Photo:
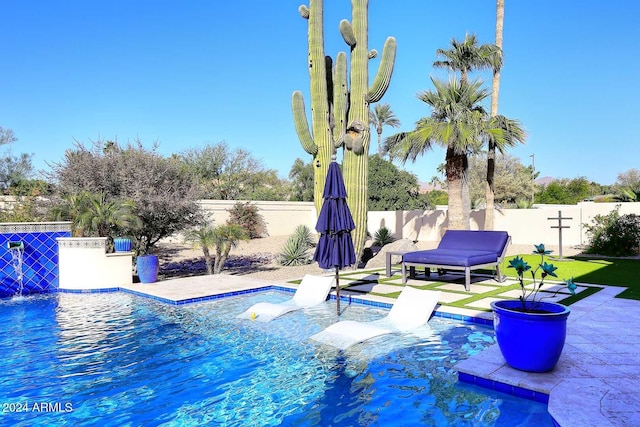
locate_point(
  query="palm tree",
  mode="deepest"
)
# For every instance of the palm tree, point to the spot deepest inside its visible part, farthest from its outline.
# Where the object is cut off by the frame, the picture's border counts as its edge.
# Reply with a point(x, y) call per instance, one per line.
point(458, 122)
point(92, 215)
point(104, 217)
point(491, 153)
point(382, 116)
point(226, 237)
point(204, 238)
point(467, 55)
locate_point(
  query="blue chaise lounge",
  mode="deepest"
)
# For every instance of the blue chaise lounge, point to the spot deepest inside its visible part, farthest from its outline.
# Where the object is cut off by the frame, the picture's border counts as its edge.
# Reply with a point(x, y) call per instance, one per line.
point(464, 250)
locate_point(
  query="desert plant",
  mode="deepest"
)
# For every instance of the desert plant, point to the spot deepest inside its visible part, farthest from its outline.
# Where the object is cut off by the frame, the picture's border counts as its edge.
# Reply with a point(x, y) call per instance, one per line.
point(614, 234)
point(296, 249)
point(246, 215)
point(92, 215)
point(383, 236)
point(226, 237)
point(528, 297)
point(203, 238)
point(165, 193)
point(340, 108)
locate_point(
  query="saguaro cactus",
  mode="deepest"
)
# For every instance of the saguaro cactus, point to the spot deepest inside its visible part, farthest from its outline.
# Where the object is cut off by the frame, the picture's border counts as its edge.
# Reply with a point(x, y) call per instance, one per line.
point(340, 109)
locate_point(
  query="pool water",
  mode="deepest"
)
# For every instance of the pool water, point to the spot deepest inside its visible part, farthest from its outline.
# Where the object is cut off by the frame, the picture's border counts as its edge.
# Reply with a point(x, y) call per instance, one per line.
point(118, 359)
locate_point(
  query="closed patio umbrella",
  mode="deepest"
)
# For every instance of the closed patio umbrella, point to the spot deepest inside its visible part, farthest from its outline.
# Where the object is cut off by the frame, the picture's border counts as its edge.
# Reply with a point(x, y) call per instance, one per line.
point(335, 247)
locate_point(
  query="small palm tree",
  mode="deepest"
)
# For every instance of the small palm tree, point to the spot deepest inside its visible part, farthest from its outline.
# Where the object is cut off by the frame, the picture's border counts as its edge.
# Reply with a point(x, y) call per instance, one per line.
point(382, 116)
point(226, 237)
point(204, 238)
point(103, 217)
point(92, 215)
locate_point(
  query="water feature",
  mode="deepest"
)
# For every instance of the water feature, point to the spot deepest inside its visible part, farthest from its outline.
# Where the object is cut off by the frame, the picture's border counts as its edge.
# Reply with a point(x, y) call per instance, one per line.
point(16, 249)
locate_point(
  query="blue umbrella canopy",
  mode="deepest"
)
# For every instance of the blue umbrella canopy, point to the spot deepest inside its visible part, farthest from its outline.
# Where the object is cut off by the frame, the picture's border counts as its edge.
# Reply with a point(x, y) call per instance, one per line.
point(335, 247)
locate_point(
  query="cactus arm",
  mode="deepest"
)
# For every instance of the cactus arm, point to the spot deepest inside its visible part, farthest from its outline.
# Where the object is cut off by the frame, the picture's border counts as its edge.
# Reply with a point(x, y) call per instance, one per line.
point(383, 77)
point(347, 33)
point(304, 11)
point(340, 98)
point(373, 53)
point(302, 127)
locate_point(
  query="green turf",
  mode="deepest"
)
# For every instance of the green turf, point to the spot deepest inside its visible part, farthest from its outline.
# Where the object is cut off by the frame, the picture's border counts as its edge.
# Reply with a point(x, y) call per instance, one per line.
point(609, 271)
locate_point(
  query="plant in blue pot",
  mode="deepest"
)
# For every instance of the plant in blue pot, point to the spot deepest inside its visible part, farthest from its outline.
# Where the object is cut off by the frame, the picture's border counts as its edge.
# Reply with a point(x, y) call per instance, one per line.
point(531, 332)
point(122, 244)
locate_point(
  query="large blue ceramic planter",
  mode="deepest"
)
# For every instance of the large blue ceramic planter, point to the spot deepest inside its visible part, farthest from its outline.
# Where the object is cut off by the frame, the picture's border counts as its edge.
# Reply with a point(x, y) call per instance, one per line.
point(530, 342)
point(147, 267)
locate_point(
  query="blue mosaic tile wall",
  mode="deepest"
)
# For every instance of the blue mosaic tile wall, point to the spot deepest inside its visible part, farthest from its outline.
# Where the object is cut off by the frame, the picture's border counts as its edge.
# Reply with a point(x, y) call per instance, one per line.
point(40, 257)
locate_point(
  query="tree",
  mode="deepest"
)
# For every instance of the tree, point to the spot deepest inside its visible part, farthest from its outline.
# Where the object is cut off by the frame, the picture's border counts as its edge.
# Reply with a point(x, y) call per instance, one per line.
point(203, 237)
point(164, 193)
point(382, 116)
point(467, 55)
point(627, 186)
point(301, 176)
point(226, 237)
point(567, 191)
point(14, 170)
point(227, 174)
point(7, 136)
point(104, 218)
point(392, 189)
point(464, 57)
point(513, 181)
point(491, 149)
point(456, 122)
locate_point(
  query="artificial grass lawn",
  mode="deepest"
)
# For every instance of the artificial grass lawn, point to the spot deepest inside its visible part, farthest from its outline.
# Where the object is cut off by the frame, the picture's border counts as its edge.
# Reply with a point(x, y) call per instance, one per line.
point(609, 271)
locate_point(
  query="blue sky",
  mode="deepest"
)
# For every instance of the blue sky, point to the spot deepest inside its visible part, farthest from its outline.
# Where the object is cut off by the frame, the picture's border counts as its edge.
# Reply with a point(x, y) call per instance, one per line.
point(186, 74)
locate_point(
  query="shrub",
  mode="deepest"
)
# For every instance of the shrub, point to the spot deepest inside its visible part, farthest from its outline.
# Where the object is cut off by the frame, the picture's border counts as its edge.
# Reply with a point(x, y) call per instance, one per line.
point(614, 235)
point(383, 236)
point(164, 193)
point(247, 216)
point(296, 250)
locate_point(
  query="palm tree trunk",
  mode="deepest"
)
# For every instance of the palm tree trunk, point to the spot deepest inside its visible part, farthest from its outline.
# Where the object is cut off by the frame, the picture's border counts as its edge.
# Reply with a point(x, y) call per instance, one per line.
point(207, 260)
point(455, 167)
point(491, 154)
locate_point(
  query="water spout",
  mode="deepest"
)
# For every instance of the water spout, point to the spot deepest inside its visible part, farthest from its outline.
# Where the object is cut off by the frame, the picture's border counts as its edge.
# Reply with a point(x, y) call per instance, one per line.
point(16, 249)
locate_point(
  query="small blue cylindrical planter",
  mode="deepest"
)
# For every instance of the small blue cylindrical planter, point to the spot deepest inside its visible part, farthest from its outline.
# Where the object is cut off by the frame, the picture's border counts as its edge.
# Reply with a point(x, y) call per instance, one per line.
point(528, 341)
point(147, 267)
point(121, 244)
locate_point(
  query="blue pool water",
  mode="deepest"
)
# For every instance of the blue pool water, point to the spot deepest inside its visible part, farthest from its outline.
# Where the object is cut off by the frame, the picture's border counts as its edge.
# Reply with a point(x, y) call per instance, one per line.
point(116, 359)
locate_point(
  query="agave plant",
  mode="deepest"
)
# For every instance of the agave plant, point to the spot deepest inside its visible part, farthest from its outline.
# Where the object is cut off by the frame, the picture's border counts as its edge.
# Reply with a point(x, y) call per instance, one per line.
point(521, 266)
point(296, 250)
point(383, 237)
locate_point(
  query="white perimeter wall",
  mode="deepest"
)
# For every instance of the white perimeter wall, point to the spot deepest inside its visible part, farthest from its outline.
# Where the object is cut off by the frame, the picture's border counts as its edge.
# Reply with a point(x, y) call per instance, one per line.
point(526, 226)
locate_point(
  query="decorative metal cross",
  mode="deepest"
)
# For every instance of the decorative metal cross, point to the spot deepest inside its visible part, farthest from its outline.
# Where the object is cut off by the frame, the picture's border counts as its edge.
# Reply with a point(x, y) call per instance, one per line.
point(559, 218)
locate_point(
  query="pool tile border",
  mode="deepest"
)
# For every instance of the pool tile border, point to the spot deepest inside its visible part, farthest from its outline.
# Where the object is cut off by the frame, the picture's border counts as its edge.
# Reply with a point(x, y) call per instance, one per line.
point(504, 388)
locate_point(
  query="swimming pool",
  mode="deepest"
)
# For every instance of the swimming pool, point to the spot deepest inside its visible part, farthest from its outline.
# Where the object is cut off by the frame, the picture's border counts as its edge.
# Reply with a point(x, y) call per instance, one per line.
point(118, 359)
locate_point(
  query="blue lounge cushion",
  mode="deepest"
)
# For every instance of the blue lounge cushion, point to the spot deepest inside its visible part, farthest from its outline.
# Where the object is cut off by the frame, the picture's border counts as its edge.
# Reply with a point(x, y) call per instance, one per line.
point(457, 257)
point(492, 241)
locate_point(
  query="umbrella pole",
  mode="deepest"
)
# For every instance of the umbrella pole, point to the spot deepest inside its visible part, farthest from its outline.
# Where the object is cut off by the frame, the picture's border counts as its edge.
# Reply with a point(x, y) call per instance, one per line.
point(338, 290)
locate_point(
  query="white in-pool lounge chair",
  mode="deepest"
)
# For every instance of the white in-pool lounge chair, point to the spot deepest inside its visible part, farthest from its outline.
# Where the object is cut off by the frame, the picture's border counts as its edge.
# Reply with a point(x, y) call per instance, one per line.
point(411, 310)
point(313, 290)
